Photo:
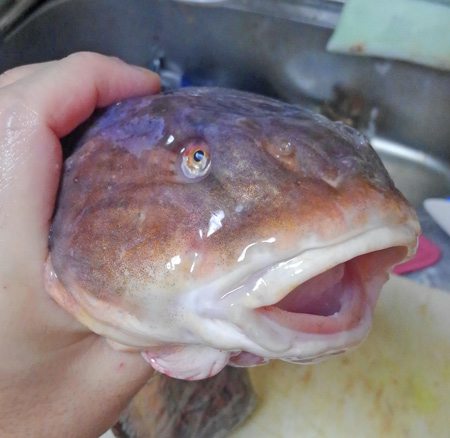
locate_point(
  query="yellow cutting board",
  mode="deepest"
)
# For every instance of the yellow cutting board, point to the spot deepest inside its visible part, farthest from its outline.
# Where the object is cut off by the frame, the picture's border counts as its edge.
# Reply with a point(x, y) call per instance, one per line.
point(396, 384)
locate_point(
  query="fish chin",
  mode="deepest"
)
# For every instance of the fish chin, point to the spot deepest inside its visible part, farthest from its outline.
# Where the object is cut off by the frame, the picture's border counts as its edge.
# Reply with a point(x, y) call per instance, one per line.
point(187, 362)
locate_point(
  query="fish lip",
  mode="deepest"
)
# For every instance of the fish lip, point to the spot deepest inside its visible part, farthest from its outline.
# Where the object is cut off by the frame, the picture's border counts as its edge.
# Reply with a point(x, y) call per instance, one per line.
point(310, 262)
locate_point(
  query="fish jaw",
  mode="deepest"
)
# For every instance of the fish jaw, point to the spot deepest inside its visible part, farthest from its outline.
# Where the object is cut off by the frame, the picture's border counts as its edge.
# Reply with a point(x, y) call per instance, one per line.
point(301, 309)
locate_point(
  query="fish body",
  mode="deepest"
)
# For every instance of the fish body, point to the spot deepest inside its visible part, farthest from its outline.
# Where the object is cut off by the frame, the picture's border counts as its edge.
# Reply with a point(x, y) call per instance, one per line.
point(211, 408)
point(208, 227)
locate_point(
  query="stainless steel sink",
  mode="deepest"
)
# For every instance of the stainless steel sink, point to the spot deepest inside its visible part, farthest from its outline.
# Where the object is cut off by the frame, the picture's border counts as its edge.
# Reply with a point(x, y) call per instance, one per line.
point(416, 174)
point(274, 47)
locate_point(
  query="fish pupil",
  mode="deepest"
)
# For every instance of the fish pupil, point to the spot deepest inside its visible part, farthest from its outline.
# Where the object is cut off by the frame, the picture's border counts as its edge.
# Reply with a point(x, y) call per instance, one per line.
point(198, 156)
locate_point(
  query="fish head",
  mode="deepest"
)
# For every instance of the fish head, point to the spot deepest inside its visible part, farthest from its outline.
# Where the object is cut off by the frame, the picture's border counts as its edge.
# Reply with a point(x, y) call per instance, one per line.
point(208, 227)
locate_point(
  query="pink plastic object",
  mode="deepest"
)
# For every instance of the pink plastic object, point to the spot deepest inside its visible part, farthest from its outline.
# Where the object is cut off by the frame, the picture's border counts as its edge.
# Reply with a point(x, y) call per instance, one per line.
point(427, 254)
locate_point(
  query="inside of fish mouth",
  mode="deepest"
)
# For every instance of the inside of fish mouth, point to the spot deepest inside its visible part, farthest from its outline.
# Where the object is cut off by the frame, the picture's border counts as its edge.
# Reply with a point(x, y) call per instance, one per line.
point(328, 293)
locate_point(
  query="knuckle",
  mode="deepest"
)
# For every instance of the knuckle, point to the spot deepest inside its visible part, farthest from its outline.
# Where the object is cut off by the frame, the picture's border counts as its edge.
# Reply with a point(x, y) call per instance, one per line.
point(82, 58)
point(15, 112)
point(9, 76)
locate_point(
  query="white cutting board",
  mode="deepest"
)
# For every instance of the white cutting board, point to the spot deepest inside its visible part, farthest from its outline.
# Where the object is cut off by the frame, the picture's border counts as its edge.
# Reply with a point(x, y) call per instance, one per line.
point(397, 384)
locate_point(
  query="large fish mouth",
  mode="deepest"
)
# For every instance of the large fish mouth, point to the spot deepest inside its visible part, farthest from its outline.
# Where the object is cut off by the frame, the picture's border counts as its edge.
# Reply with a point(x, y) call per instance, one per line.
point(337, 299)
point(315, 304)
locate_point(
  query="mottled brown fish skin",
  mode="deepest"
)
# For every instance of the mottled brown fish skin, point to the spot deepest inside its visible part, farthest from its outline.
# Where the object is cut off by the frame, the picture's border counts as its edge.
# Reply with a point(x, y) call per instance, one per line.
point(171, 408)
point(276, 171)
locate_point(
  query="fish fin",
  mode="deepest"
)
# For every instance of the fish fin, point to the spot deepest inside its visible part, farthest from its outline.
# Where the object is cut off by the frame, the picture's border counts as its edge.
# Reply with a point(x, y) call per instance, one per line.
point(171, 408)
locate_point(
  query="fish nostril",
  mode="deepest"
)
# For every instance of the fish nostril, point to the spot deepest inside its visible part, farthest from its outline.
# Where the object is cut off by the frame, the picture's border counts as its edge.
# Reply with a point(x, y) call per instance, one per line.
point(284, 152)
point(286, 149)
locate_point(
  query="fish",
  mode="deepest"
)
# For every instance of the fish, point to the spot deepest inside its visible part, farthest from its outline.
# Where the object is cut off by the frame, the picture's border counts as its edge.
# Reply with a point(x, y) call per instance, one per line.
point(210, 408)
point(207, 227)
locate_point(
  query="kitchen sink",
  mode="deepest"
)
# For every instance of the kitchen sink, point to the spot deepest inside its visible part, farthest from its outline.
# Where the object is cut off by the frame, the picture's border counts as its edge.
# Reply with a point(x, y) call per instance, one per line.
point(417, 174)
point(273, 47)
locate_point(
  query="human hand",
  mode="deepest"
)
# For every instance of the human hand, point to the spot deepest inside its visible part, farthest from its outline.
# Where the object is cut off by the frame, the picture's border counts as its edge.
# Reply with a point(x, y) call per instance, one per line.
point(57, 379)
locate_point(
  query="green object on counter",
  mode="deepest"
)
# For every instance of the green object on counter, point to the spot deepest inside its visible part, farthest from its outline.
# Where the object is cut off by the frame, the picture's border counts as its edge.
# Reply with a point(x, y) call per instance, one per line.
point(409, 30)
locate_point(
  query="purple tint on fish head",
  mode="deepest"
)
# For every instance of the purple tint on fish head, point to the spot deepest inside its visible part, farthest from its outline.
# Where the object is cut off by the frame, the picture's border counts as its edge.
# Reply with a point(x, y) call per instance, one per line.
point(128, 125)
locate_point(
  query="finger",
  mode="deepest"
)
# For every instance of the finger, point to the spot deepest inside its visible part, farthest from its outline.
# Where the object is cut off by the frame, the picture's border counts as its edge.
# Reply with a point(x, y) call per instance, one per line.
point(79, 391)
point(17, 73)
point(66, 94)
point(116, 378)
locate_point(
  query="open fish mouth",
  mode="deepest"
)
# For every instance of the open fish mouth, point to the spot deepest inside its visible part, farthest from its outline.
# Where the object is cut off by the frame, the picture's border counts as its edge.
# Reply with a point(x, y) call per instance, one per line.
point(336, 299)
point(330, 302)
point(317, 304)
point(337, 305)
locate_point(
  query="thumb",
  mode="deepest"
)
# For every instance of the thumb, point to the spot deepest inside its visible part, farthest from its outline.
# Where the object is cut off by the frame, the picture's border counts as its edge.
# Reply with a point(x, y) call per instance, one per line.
point(76, 392)
point(101, 395)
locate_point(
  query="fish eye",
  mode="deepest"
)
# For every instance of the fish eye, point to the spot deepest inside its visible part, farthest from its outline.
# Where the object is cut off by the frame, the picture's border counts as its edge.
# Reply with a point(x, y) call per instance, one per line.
point(199, 155)
point(195, 159)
